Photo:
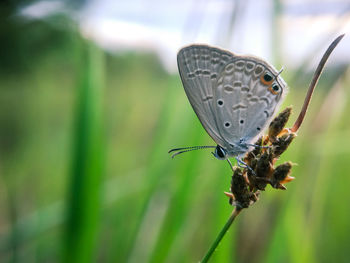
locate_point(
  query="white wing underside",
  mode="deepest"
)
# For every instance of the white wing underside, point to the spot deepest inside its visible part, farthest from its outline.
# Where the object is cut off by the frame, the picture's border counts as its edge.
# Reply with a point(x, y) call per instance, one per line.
point(226, 93)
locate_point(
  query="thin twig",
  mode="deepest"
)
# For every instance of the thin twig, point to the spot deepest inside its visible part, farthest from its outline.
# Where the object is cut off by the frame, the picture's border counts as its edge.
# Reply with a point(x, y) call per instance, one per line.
point(222, 233)
point(314, 81)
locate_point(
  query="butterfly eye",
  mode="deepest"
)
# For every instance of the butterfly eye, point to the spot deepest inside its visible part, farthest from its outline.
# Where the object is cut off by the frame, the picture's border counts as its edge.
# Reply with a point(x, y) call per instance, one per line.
point(274, 89)
point(220, 153)
point(266, 79)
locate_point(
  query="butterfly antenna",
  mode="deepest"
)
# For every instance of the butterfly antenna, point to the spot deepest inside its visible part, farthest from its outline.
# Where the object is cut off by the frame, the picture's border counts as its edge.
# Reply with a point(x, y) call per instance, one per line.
point(229, 162)
point(188, 149)
point(191, 147)
point(279, 72)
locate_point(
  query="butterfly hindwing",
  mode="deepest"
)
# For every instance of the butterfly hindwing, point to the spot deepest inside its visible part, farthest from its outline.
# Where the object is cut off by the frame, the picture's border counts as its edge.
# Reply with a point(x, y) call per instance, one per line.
point(245, 104)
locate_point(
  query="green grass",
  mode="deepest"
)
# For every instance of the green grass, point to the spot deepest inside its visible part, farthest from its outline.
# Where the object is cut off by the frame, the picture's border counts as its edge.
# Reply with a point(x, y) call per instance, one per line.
point(88, 164)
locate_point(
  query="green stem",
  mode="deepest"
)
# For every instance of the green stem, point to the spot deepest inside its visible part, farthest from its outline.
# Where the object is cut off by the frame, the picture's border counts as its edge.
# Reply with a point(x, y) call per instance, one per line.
point(222, 233)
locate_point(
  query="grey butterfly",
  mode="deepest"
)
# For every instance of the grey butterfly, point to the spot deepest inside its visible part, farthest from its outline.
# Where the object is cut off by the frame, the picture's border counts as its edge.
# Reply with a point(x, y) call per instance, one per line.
point(234, 97)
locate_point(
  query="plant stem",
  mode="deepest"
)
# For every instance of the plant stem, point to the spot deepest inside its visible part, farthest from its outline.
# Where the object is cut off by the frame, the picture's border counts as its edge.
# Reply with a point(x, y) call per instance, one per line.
point(222, 233)
point(314, 81)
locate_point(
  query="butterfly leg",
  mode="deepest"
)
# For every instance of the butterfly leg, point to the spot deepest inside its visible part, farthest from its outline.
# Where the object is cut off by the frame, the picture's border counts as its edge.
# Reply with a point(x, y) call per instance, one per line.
point(242, 164)
point(229, 162)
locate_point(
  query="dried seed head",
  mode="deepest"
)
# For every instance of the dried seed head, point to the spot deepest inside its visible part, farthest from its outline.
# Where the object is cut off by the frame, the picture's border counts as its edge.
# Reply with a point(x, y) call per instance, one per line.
point(238, 184)
point(263, 170)
point(278, 123)
point(239, 188)
point(281, 175)
point(282, 143)
point(264, 165)
point(246, 184)
point(251, 157)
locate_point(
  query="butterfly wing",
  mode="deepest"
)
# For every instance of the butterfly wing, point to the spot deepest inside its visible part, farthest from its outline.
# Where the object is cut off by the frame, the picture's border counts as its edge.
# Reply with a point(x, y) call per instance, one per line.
point(199, 68)
point(245, 101)
point(228, 92)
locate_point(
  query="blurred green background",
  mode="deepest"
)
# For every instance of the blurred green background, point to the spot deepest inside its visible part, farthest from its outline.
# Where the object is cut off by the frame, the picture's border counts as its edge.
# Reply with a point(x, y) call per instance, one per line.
point(84, 170)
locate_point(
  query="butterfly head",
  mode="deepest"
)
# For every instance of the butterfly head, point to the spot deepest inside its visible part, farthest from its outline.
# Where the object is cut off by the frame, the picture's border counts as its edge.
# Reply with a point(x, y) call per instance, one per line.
point(220, 153)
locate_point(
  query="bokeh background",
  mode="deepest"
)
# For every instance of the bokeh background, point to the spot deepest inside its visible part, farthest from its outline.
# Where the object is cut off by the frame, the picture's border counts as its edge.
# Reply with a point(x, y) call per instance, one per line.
point(91, 101)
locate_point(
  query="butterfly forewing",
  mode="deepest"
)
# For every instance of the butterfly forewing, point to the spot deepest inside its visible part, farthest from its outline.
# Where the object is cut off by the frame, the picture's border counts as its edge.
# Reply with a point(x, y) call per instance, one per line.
point(199, 68)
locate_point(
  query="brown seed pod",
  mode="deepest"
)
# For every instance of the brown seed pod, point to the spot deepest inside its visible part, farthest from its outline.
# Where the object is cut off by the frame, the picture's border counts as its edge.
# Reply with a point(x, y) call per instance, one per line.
point(282, 143)
point(278, 123)
point(264, 169)
point(281, 175)
point(239, 188)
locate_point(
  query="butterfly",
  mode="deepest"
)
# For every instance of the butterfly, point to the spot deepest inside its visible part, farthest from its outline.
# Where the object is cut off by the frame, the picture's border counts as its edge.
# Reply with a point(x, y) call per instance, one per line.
point(234, 97)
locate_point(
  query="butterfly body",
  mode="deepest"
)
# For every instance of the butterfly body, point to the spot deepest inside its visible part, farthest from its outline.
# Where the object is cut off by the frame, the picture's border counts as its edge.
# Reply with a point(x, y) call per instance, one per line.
point(233, 96)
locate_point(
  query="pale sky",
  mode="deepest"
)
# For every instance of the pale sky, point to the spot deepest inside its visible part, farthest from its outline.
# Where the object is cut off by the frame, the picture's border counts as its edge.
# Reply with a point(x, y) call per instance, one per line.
point(305, 26)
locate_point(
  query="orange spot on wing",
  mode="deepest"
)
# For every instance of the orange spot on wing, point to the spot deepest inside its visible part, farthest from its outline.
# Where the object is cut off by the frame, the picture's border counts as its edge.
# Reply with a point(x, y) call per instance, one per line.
point(263, 81)
point(272, 91)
